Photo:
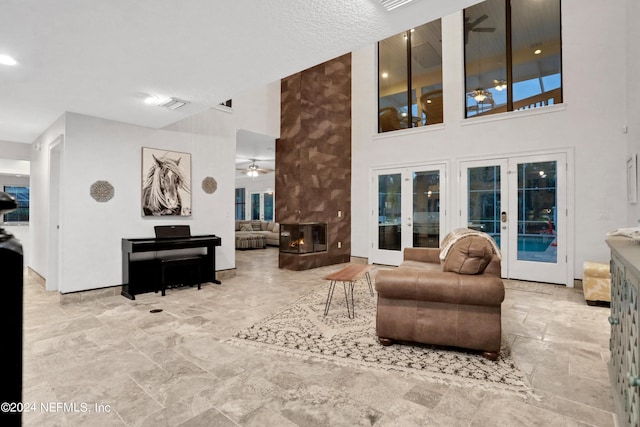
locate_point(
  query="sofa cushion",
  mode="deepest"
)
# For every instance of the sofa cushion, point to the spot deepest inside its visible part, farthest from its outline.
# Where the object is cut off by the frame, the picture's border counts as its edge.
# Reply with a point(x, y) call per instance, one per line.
point(246, 227)
point(276, 228)
point(255, 224)
point(421, 265)
point(469, 255)
point(264, 226)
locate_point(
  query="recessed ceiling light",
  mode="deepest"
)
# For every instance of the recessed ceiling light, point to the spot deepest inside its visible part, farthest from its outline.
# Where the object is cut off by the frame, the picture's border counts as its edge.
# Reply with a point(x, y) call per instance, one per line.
point(385, 75)
point(537, 51)
point(150, 99)
point(7, 60)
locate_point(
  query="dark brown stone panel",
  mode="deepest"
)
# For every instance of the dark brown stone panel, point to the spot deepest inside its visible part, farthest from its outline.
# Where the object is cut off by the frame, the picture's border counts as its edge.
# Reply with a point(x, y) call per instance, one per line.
point(313, 158)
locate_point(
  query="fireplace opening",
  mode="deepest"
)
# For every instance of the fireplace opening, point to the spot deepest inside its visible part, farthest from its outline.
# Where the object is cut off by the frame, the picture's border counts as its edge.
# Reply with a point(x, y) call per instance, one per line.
point(303, 238)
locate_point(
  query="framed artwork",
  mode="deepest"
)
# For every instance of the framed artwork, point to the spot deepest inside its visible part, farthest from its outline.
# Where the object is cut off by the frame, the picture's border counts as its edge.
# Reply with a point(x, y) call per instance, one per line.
point(166, 183)
point(632, 179)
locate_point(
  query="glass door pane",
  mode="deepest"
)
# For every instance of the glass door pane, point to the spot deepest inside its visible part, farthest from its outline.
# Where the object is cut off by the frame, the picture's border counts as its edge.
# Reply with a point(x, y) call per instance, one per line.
point(426, 209)
point(240, 204)
point(483, 200)
point(537, 210)
point(255, 206)
point(268, 206)
point(389, 212)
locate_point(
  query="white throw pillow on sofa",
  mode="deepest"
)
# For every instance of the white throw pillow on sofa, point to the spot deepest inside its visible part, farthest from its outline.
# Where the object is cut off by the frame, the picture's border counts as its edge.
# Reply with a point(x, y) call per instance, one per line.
point(246, 227)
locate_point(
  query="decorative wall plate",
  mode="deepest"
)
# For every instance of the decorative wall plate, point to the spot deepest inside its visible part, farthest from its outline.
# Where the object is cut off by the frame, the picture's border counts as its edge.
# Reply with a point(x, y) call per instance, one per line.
point(209, 185)
point(101, 191)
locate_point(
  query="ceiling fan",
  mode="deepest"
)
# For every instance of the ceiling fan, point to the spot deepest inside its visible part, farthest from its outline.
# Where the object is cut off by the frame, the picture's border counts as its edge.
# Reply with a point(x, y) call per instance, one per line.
point(473, 26)
point(253, 170)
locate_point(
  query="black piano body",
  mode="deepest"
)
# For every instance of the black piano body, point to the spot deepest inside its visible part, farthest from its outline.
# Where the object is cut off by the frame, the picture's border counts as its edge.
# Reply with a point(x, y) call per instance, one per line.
point(154, 264)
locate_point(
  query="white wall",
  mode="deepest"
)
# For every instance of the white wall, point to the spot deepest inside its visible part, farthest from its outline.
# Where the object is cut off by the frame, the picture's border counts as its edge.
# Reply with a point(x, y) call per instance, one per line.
point(99, 149)
point(589, 124)
point(15, 150)
point(633, 86)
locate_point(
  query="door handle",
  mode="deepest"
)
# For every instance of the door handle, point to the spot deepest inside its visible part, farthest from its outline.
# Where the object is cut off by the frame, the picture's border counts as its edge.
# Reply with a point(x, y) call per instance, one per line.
point(503, 217)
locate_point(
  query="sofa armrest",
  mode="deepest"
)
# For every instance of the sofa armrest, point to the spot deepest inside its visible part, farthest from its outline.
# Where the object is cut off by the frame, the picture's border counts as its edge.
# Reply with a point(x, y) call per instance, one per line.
point(438, 286)
point(430, 255)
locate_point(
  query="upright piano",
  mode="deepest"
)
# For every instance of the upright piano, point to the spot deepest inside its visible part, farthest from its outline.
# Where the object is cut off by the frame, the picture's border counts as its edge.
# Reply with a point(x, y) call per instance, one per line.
point(154, 264)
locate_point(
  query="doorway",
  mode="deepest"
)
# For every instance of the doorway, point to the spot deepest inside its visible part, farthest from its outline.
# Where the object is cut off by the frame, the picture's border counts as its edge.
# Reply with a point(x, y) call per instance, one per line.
point(522, 203)
point(54, 272)
point(409, 210)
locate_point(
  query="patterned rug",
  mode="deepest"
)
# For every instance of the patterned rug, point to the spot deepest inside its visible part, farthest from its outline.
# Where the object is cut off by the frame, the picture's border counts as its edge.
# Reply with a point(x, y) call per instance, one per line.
point(302, 330)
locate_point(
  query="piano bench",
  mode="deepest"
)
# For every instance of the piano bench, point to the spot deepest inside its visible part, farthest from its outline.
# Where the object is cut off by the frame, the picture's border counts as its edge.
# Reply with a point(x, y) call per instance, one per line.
point(180, 271)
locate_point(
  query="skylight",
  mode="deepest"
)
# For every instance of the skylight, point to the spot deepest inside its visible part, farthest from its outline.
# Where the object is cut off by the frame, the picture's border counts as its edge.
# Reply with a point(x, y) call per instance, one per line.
point(392, 4)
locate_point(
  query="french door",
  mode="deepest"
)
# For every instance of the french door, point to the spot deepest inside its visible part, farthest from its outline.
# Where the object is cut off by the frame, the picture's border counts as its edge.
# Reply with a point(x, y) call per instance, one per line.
point(408, 211)
point(522, 203)
point(262, 206)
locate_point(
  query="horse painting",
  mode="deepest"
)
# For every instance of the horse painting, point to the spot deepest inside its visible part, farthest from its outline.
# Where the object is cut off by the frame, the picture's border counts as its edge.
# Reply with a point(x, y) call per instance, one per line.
point(162, 184)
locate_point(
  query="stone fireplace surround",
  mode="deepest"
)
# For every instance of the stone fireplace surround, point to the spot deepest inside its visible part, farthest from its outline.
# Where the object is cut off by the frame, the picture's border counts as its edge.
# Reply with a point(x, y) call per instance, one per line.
point(313, 159)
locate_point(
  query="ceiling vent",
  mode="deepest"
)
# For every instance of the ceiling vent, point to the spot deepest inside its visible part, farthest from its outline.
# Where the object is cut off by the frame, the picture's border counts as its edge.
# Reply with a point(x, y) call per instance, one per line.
point(392, 4)
point(173, 103)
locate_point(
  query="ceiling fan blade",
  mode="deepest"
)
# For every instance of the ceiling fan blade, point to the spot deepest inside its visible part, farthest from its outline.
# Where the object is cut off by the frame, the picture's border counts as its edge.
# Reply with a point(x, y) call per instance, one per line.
point(479, 20)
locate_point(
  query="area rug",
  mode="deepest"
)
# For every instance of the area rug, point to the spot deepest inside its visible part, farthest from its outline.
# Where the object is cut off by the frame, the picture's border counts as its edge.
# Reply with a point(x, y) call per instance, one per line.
point(302, 330)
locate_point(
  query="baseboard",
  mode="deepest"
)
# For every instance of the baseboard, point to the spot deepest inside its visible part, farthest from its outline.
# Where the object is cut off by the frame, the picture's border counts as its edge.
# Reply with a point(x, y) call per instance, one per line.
point(92, 294)
point(359, 260)
point(226, 274)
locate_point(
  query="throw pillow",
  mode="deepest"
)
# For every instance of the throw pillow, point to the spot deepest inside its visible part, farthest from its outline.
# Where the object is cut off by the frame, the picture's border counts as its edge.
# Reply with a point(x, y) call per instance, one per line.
point(246, 227)
point(255, 224)
point(276, 228)
point(264, 226)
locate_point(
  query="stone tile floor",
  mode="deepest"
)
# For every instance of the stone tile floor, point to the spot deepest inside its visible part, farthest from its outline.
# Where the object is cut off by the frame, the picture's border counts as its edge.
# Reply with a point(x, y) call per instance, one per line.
point(121, 365)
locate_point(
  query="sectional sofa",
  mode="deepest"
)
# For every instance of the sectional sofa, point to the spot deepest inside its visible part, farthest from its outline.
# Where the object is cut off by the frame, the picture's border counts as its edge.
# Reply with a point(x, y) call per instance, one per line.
point(246, 230)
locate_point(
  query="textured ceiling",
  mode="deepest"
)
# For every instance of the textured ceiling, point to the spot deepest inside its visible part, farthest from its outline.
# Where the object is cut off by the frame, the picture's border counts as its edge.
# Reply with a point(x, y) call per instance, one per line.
point(99, 57)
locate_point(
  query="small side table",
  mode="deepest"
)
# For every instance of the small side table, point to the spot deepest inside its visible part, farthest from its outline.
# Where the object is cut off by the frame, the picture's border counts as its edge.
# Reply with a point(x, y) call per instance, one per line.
point(348, 276)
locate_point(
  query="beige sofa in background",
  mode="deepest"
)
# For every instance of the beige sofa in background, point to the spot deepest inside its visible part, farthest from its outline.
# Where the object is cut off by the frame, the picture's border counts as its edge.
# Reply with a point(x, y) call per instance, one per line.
point(269, 229)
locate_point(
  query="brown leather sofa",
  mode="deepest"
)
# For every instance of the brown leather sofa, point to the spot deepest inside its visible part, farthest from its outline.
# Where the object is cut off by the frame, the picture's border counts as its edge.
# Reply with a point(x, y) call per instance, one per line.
point(452, 302)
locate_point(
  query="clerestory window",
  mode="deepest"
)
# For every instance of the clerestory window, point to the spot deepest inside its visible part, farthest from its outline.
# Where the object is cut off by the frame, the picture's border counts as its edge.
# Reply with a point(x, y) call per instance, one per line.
point(410, 78)
point(513, 56)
